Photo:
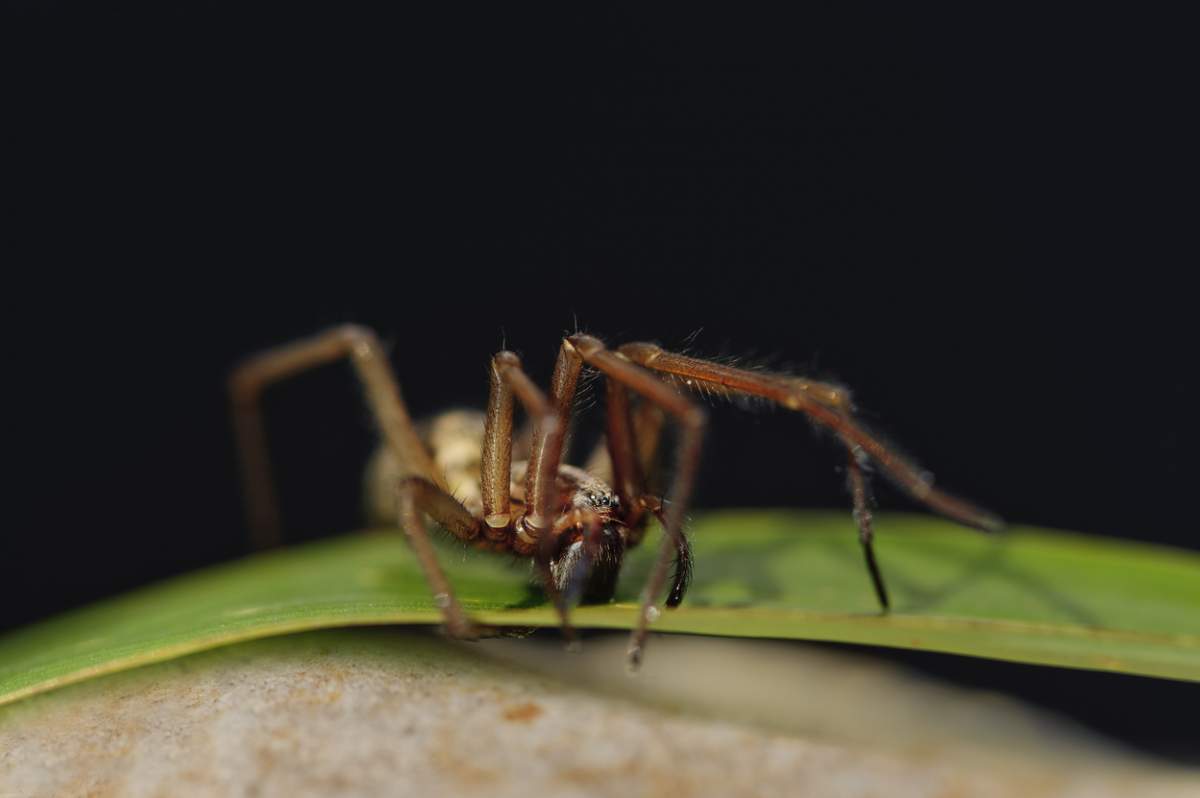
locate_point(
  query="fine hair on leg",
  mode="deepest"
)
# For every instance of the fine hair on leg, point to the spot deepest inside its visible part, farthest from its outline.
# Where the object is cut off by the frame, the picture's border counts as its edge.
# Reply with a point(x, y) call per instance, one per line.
point(416, 497)
point(692, 421)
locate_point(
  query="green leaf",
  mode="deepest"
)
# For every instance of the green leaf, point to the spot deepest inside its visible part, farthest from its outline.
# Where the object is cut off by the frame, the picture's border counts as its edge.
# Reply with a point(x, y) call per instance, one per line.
point(1028, 595)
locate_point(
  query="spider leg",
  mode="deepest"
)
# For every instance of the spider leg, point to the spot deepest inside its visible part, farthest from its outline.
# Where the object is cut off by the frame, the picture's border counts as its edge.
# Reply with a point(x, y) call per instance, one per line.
point(548, 441)
point(623, 444)
point(631, 442)
point(507, 380)
point(859, 491)
point(496, 467)
point(252, 377)
point(646, 420)
point(827, 405)
point(693, 421)
point(534, 534)
point(682, 578)
point(417, 496)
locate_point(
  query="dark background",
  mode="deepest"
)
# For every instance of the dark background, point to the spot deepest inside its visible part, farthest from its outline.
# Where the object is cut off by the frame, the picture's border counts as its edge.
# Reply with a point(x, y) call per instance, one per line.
point(976, 220)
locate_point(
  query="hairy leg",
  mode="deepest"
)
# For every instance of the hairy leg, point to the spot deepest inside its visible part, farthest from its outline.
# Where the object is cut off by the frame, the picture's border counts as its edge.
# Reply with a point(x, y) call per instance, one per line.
point(546, 454)
point(692, 421)
point(507, 380)
point(547, 443)
point(253, 376)
point(682, 578)
point(628, 477)
point(826, 404)
point(417, 497)
point(859, 493)
point(632, 437)
point(647, 420)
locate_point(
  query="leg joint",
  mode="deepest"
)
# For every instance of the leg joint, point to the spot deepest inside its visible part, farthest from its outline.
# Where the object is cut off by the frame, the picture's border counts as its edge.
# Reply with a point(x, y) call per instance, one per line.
point(641, 353)
point(360, 341)
point(695, 418)
point(409, 488)
point(505, 359)
point(586, 345)
point(802, 392)
point(244, 386)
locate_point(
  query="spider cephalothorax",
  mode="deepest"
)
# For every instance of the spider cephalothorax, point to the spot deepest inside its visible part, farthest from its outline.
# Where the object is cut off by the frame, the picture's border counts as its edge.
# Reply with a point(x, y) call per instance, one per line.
point(509, 492)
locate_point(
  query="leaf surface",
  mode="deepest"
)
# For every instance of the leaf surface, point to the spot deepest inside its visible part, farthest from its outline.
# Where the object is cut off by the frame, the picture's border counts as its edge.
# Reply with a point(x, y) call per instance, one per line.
point(1028, 595)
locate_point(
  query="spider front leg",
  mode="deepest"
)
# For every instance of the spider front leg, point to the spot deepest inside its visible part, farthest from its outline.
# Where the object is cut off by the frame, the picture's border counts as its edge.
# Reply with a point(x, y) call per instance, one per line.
point(508, 379)
point(857, 481)
point(631, 443)
point(647, 422)
point(829, 406)
point(693, 421)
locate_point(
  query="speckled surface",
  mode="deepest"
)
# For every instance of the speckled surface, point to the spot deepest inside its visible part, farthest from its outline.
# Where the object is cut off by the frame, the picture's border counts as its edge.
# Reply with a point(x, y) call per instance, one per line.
point(397, 713)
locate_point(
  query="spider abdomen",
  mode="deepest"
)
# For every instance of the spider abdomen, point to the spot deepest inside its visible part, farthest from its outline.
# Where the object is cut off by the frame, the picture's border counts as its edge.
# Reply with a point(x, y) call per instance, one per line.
point(455, 441)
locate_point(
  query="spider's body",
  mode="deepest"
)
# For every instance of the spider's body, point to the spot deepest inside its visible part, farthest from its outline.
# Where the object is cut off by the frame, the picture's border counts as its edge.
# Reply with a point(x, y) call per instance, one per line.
point(508, 492)
point(455, 442)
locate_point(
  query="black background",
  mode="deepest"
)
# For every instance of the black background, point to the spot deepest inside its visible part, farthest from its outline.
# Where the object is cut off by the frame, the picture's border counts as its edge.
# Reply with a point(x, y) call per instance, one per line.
point(981, 222)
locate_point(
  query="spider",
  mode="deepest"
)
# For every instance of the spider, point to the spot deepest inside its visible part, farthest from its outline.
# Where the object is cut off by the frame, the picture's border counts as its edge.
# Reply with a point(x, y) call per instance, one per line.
point(516, 495)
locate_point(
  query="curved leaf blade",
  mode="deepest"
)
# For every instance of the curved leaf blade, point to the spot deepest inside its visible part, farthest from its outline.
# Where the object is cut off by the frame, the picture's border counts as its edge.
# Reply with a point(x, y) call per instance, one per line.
point(1028, 595)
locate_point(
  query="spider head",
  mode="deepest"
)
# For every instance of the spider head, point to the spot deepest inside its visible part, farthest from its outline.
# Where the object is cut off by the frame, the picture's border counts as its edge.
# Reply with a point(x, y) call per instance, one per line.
point(588, 562)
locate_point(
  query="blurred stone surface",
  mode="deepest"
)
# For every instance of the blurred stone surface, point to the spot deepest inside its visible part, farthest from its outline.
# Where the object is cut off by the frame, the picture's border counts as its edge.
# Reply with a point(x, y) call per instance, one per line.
point(386, 712)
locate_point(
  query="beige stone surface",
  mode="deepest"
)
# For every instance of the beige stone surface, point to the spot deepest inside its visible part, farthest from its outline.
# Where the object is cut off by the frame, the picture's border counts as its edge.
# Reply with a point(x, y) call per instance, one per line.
point(397, 713)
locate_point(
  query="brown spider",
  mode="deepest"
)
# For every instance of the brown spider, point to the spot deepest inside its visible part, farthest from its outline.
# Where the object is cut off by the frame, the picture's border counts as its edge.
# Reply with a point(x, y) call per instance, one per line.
point(573, 525)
